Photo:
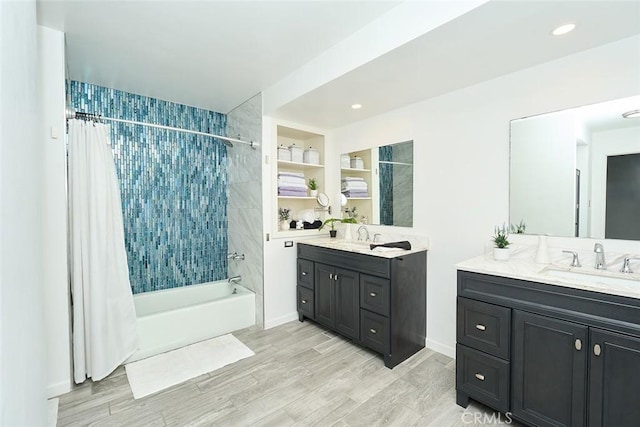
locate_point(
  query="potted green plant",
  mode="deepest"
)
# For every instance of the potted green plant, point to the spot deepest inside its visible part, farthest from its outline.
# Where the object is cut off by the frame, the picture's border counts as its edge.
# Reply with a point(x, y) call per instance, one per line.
point(332, 221)
point(313, 187)
point(285, 216)
point(519, 228)
point(501, 241)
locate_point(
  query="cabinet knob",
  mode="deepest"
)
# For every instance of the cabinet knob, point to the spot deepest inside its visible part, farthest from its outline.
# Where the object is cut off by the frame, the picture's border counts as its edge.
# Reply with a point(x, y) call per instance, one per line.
point(480, 377)
point(330, 276)
point(335, 277)
point(304, 301)
point(373, 331)
point(304, 273)
point(597, 350)
point(480, 327)
point(372, 294)
point(578, 344)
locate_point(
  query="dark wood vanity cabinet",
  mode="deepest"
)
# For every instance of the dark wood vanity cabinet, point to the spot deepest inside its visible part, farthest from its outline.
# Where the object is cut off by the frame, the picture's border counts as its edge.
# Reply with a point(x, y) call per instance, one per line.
point(378, 302)
point(549, 355)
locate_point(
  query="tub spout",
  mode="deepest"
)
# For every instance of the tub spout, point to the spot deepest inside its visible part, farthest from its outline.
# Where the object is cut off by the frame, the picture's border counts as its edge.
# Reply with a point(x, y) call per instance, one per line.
point(235, 279)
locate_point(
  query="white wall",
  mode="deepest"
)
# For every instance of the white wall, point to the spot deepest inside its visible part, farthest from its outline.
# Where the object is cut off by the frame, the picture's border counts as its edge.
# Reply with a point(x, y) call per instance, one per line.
point(22, 340)
point(542, 178)
point(53, 148)
point(461, 148)
point(603, 144)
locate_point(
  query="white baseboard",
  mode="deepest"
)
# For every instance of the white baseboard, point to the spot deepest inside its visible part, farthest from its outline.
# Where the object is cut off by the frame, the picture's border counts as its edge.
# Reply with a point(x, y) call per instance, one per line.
point(54, 390)
point(441, 348)
point(272, 323)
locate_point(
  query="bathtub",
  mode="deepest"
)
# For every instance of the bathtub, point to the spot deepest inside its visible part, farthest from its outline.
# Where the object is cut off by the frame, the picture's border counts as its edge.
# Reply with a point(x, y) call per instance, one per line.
point(173, 318)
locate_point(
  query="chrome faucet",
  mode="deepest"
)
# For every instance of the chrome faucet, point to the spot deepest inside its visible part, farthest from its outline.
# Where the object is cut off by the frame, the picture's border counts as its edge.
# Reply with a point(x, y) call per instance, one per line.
point(599, 250)
point(234, 279)
point(362, 227)
point(575, 262)
point(625, 264)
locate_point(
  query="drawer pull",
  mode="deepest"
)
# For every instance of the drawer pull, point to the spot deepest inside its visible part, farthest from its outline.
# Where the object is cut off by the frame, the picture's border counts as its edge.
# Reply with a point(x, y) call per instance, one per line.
point(372, 294)
point(373, 331)
point(578, 344)
point(597, 350)
point(480, 377)
point(304, 273)
point(481, 327)
point(304, 301)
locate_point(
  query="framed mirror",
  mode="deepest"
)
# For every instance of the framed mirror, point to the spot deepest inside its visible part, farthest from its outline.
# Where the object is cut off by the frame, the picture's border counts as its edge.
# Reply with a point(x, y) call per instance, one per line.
point(576, 173)
point(378, 184)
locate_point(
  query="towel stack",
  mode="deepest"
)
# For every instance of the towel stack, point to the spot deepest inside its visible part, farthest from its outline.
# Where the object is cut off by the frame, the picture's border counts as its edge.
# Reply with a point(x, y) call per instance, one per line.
point(292, 184)
point(353, 186)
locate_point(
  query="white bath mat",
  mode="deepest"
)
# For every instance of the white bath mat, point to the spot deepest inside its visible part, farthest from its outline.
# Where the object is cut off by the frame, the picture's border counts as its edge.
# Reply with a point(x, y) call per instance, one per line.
point(151, 375)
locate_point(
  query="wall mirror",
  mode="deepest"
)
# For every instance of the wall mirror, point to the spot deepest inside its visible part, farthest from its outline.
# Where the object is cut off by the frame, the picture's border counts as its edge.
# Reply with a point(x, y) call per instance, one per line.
point(576, 173)
point(378, 184)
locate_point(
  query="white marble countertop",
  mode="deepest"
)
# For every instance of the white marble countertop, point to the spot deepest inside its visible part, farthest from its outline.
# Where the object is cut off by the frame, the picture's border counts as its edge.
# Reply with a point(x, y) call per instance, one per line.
point(364, 248)
point(521, 265)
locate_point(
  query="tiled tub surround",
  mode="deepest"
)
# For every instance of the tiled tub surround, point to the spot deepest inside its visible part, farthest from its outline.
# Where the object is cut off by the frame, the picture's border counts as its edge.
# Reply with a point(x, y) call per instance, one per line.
point(245, 199)
point(521, 265)
point(173, 187)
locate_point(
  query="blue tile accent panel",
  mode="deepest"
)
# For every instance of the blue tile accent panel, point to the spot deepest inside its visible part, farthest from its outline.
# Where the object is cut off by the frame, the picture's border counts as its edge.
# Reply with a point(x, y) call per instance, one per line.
point(385, 153)
point(173, 187)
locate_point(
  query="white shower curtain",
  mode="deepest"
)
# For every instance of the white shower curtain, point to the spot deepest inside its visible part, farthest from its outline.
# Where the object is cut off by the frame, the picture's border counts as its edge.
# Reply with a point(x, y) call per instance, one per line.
point(104, 318)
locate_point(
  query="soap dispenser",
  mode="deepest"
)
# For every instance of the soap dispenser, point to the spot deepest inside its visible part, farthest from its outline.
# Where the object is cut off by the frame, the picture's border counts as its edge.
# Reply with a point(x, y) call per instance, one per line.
point(542, 254)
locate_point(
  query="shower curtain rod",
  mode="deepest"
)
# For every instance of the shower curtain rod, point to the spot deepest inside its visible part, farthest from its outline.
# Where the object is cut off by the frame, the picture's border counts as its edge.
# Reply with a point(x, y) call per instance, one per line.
point(72, 114)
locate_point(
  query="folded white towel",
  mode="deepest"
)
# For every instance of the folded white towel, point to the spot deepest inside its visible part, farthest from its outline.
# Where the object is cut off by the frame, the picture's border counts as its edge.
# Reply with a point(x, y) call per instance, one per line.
point(295, 174)
point(291, 179)
point(352, 178)
point(354, 186)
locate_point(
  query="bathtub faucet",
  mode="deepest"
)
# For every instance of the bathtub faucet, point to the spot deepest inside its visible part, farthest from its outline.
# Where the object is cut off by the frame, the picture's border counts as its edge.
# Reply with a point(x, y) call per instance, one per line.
point(235, 279)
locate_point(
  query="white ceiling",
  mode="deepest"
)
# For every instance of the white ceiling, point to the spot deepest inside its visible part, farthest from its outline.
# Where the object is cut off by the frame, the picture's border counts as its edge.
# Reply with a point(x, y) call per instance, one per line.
point(494, 39)
point(209, 54)
point(217, 54)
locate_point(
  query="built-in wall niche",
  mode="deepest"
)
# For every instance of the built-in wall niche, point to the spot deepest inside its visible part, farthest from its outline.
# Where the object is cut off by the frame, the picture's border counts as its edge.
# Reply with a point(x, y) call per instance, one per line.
point(378, 183)
point(300, 153)
point(576, 173)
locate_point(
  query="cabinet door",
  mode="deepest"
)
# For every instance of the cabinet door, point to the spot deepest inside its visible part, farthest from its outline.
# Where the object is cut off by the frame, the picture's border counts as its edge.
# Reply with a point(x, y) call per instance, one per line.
point(548, 370)
point(324, 293)
point(614, 379)
point(347, 303)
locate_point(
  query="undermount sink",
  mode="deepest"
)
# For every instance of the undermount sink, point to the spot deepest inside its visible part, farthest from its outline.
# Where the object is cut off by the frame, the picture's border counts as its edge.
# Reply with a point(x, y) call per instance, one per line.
point(593, 278)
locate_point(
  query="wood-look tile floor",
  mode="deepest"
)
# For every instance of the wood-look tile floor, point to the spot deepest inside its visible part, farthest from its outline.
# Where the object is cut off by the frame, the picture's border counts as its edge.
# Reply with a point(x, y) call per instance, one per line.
point(301, 375)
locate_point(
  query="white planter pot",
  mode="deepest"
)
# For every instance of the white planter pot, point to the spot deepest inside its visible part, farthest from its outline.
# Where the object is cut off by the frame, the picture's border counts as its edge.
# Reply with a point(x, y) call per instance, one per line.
point(501, 254)
point(313, 193)
point(285, 225)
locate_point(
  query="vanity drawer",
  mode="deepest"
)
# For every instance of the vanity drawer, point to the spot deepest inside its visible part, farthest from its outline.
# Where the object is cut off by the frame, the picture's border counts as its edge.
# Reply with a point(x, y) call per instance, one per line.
point(374, 294)
point(305, 273)
point(484, 378)
point(485, 327)
point(305, 302)
point(374, 331)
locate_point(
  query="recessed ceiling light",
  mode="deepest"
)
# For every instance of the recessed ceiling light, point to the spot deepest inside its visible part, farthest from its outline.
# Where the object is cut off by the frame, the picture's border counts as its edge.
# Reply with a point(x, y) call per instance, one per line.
point(356, 106)
point(564, 29)
point(633, 114)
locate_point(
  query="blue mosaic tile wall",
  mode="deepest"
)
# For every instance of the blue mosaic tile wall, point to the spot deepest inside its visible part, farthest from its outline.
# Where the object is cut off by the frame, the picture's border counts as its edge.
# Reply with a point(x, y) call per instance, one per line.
point(386, 185)
point(173, 187)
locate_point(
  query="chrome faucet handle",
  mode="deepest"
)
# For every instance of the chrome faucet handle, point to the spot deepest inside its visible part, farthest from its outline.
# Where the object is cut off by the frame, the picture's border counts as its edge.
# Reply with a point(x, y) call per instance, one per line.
point(375, 237)
point(575, 262)
point(625, 264)
point(600, 262)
